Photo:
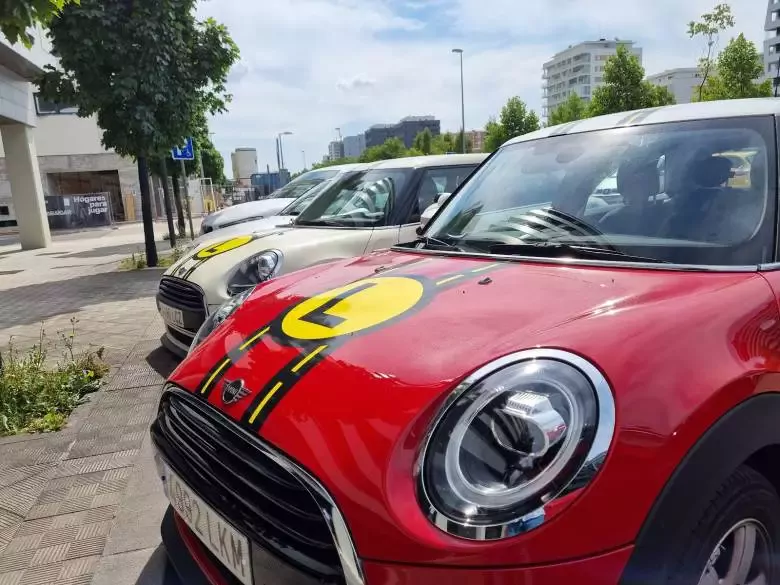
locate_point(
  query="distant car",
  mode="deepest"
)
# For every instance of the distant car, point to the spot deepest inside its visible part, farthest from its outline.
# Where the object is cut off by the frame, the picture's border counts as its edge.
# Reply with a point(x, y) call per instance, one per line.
point(271, 205)
point(375, 207)
point(284, 219)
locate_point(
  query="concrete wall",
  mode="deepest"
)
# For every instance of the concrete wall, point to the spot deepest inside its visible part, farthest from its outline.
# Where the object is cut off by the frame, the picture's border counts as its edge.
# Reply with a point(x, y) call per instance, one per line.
point(67, 144)
point(16, 98)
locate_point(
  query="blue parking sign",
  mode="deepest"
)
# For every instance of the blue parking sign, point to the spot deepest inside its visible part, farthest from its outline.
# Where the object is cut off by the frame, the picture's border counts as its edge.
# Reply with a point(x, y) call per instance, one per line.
point(186, 152)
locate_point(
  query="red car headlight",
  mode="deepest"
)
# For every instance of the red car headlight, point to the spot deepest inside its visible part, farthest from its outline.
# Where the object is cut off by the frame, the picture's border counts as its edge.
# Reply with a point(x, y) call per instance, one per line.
point(512, 437)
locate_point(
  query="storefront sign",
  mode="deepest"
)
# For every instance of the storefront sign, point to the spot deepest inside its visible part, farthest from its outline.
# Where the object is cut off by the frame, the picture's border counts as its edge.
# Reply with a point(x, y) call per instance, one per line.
point(78, 211)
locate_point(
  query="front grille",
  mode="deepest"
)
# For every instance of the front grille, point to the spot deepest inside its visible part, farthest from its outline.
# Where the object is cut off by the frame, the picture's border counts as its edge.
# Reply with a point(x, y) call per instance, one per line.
point(231, 471)
point(179, 336)
point(181, 294)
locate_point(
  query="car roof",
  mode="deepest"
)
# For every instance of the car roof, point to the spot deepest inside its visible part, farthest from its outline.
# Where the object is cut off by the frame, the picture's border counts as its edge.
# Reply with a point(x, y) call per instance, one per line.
point(675, 113)
point(434, 160)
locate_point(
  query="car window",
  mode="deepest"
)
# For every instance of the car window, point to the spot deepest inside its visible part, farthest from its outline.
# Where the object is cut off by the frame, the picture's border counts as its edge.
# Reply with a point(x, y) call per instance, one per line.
point(358, 199)
point(665, 192)
point(297, 206)
point(434, 182)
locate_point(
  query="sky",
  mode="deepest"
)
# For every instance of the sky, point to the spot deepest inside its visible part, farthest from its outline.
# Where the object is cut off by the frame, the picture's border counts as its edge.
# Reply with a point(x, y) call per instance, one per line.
point(310, 66)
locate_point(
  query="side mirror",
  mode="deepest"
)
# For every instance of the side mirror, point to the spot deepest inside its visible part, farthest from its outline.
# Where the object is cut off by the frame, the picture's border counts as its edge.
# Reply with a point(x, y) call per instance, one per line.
point(426, 216)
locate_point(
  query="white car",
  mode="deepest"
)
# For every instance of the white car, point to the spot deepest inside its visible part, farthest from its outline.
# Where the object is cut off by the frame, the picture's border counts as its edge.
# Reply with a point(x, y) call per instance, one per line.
point(271, 205)
point(365, 210)
point(284, 219)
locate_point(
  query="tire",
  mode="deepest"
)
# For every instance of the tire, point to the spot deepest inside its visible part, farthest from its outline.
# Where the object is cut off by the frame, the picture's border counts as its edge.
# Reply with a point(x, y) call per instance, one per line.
point(745, 504)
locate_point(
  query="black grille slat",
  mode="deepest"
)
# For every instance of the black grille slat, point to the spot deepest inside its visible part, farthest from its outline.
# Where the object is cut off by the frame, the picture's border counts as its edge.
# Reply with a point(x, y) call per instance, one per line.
point(181, 293)
point(223, 459)
point(247, 485)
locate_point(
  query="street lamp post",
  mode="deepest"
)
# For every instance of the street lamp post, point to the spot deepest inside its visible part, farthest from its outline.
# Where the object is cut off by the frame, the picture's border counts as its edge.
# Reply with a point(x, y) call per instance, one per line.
point(281, 149)
point(303, 152)
point(462, 104)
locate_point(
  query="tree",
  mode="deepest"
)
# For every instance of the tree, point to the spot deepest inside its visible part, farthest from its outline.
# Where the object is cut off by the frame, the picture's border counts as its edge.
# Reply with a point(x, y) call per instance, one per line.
point(515, 120)
point(739, 66)
point(147, 69)
point(444, 143)
point(574, 108)
point(625, 87)
point(392, 148)
point(709, 27)
point(423, 140)
point(17, 17)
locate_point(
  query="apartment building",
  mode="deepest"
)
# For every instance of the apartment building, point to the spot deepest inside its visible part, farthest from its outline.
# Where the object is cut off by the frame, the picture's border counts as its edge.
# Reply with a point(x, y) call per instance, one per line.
point(772, 41)
point(477, 139)
point(683, 82)
point(354, 145)
point(406, 130)
point(335, 150)
point(579, 69)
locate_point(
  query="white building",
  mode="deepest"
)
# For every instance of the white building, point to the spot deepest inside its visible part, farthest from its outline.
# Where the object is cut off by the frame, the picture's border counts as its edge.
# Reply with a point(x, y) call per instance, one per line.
point(683, 82)
point(354, 145)
point(70, 161)
point(335, 150)
point(578, 69)
point(244, 161)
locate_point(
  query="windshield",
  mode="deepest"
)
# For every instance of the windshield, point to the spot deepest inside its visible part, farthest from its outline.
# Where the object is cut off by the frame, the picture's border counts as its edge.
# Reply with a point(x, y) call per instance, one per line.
point(295, 189)
point(663, 193)
point(297, 206)
point(361, 199)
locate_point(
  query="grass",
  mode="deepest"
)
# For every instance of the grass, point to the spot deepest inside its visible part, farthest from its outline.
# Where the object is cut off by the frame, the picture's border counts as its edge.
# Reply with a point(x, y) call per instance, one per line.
point(137, 260)
point(36, 397)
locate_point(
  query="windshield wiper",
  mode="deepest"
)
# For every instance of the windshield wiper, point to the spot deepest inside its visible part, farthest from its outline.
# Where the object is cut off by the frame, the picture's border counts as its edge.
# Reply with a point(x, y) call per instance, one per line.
point(558, 250)
point(320, 222)
point(436, 244)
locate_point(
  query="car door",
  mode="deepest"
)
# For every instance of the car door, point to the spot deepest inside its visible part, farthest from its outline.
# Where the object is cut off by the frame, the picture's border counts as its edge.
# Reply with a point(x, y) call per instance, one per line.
point(433, 182)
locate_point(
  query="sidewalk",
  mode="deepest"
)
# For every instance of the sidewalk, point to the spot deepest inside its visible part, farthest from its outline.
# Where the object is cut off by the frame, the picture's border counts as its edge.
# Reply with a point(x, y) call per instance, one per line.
point(83, 505)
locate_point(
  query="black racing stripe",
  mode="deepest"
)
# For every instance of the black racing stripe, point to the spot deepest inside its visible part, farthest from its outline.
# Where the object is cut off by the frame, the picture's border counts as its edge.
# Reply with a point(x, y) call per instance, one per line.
point(211, 378)
point(195, 266)
point(283, 382)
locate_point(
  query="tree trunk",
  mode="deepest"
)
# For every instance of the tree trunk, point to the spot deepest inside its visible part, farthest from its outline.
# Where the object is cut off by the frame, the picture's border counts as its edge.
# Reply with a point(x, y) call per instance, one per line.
point(146, 212)
point(167, 201)
point(179, 207)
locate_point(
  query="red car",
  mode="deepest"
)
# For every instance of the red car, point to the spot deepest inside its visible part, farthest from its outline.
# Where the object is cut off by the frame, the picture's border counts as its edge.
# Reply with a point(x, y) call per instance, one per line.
point(538, 393)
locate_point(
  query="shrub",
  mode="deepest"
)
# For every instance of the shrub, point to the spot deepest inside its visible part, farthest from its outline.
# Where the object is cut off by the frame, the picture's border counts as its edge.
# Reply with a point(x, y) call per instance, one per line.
point(35, 397)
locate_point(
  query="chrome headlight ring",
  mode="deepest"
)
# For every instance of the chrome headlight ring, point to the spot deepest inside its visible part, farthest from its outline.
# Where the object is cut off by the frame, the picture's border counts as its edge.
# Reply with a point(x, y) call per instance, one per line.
point(254, 270)
point(514, 435)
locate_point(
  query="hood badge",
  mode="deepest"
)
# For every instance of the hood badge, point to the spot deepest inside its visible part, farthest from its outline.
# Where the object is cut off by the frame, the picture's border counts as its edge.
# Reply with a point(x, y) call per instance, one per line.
point(234, 391)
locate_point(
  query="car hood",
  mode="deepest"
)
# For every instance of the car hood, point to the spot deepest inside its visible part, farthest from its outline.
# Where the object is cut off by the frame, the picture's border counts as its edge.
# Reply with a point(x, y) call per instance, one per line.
point(257, 209)
point(248, 227)
point(210, 264)
point(347, 363)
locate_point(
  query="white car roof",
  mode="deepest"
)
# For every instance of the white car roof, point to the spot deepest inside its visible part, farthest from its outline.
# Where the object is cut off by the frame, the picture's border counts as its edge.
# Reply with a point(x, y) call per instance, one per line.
point(676, 113)
point(434, 160)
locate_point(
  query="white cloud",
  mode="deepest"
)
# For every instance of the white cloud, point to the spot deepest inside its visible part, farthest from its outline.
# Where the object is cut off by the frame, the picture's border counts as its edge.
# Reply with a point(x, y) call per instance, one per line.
point(309, 66)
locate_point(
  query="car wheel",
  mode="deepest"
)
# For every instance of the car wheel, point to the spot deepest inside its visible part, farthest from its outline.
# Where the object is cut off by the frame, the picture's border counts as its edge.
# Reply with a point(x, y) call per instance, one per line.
point(737, 538)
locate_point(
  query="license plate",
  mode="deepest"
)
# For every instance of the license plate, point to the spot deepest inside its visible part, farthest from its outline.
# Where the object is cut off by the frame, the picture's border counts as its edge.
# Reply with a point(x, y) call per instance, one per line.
point(228, 544)
point(172, 316)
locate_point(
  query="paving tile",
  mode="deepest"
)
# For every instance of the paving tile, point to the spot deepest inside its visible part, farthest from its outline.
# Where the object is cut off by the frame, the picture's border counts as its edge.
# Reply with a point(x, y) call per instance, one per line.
point(77, 567)
point(134, 376)
point(49, 555)
point(96, 463)
point(122, 568)
point(86, 547)
point(23, 543)
point(17, 561)
point(43, 575)
point(59, 536)
point(11, 578)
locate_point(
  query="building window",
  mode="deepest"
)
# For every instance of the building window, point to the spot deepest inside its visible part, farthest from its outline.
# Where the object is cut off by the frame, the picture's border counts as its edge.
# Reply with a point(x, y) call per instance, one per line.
point(5, 210)
point(44, 107)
